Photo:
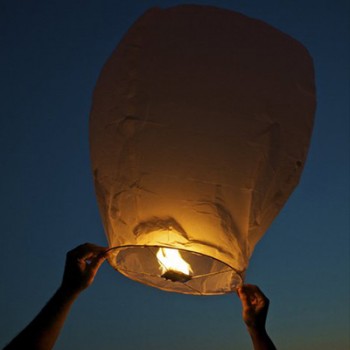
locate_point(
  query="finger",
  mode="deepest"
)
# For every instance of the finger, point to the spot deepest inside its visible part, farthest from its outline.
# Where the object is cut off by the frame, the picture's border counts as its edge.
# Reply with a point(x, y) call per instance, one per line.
point(255, 290)
point(259, 293)
point(260, 297)
point(254, 294)
point(98, 261)
point(86, 251)
point(244, 296)
point(248, 289)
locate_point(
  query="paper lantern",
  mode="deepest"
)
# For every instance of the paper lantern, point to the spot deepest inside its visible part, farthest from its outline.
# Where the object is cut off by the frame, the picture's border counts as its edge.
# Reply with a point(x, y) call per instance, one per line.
point(199, 130)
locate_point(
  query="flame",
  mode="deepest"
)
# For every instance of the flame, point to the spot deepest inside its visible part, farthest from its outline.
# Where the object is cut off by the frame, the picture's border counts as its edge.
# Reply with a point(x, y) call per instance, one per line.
point(171, 259)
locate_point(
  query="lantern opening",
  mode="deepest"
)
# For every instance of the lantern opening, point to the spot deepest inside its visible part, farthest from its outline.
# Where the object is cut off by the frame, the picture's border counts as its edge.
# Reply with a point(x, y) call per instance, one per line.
point(175, 270)
point(173, 266)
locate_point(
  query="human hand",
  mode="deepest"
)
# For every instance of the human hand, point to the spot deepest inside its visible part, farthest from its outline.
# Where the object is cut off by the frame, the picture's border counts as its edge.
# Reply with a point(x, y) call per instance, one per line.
point(255, 306)
point(82, 264)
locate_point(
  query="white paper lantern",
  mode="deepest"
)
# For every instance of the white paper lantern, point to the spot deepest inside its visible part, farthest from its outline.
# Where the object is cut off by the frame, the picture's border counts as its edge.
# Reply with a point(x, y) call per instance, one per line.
point(199, 129)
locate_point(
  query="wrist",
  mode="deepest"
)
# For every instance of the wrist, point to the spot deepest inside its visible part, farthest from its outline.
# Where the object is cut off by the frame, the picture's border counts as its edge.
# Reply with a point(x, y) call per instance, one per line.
point(260, 338)
point(257, 332)
point(66, 293)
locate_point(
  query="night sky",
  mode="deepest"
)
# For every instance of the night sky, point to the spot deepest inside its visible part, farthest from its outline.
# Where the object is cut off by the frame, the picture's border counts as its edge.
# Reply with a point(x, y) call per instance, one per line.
point(52, 54)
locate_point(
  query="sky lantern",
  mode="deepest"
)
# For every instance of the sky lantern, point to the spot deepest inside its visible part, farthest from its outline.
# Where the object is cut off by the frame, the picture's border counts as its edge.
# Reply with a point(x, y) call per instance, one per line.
point(199, 130)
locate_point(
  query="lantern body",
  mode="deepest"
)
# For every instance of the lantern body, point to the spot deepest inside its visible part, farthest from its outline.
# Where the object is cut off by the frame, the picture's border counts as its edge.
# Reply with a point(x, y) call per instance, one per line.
point(199, 130)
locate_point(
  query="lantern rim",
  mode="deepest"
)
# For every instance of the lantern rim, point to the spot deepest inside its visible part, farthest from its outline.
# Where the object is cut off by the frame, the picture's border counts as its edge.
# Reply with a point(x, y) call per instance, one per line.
point(237, 276)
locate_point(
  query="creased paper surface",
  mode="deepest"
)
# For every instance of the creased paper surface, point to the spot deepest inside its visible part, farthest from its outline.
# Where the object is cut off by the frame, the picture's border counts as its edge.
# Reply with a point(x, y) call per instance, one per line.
point(199, 131)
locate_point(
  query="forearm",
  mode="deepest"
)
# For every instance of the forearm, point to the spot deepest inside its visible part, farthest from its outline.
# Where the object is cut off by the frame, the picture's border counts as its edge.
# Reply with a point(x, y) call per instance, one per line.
point(43, 331)
point(261, 340)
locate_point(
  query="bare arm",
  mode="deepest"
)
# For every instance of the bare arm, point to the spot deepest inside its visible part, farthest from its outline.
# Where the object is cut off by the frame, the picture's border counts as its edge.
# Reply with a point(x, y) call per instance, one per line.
point(255, 306)
point(82, 264)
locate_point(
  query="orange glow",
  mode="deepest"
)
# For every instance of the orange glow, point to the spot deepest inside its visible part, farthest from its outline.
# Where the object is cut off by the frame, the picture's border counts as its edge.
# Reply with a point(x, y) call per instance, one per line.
point(171, 260)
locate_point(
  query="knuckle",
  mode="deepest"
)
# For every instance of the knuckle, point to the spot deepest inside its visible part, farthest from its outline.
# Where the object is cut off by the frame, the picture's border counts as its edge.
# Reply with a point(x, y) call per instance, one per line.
point(70, 253)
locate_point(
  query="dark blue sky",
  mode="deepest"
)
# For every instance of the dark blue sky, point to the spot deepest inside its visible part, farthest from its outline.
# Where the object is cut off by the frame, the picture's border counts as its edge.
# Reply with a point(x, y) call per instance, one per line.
point(52, 54)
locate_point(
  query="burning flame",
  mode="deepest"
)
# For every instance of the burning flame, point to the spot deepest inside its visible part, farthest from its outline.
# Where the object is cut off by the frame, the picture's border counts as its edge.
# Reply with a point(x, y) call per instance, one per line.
point(171, 260)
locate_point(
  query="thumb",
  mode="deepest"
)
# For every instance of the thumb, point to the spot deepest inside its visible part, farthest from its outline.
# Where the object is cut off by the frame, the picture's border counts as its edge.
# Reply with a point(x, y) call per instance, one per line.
point(244, 297)
point(97, 262)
